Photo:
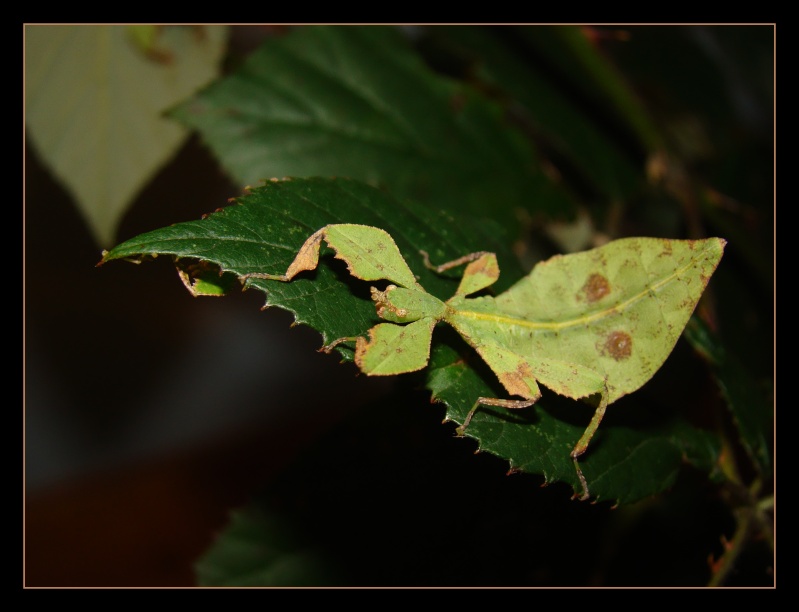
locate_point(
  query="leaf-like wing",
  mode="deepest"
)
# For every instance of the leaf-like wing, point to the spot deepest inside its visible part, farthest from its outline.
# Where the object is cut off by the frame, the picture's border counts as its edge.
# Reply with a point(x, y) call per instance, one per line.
point(617, 310)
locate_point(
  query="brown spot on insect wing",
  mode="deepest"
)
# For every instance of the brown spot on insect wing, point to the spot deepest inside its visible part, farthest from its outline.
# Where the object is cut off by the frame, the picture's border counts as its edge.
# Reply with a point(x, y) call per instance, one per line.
point(705, 278)
point(483, 265)
point(361, 346)
point(515, 381)
point(595, 288)
point(667, 248)
point(618, 344)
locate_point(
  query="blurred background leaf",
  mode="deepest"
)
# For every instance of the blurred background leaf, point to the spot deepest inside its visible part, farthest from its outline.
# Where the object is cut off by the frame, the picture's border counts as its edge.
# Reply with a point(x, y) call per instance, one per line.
point(94, 102)
point(518, 66)
point(360, 102)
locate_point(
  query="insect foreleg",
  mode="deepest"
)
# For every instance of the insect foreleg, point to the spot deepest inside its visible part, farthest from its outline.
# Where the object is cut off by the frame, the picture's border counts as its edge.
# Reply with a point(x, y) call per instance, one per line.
point(482, 271)
point(452, 264)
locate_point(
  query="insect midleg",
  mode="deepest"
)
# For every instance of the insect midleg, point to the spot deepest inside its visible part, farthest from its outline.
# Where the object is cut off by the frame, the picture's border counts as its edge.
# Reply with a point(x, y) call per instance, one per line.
point(329, 347)
point(492, 401)
point(514, 371)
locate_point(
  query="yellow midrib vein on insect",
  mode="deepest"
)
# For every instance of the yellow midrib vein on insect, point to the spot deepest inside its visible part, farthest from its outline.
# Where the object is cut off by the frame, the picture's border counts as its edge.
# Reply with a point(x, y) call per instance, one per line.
point(583, 320)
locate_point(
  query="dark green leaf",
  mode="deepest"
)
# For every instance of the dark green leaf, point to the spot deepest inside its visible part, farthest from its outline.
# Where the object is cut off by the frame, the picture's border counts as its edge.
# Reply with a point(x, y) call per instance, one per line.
point(259, 548)
point(572, 54)
point(554, 116)
point(630, 459)
point(264, 230)
point(750, 410)
point(359, 103)
point(403, 503)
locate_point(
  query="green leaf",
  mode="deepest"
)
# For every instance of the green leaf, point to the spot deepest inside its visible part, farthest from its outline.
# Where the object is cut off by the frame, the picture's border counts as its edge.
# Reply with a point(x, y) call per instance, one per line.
point(402, 503)
point(263, 232)
point(262, 548)
point(94, 100)
point(630, 458)
point(358, 102)
point(557, 118)
point(751, 412)
point(573, 55)
point(699, 448)
point(202, 279)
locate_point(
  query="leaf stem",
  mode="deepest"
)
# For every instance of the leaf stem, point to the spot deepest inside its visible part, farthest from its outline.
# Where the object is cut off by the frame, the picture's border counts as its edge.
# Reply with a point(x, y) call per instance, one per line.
point(752, 520)
point(722, 567)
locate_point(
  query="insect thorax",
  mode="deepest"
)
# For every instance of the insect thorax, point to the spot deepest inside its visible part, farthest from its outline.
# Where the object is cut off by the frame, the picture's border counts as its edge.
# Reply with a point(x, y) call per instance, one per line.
point(401, 305)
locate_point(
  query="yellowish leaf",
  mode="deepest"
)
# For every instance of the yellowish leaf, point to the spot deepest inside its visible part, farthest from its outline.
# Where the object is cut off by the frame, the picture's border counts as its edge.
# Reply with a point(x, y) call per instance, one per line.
point(94, 104)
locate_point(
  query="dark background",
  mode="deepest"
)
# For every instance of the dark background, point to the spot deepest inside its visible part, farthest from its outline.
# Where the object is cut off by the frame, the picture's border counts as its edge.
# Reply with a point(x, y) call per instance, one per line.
point(149, 415)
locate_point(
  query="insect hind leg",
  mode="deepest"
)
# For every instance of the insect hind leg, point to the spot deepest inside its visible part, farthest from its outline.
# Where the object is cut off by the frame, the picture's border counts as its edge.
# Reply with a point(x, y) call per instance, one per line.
point(585, 439)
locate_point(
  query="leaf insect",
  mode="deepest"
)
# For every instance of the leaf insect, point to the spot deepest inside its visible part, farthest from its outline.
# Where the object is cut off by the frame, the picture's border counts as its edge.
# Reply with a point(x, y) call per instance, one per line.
point(596, 323)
